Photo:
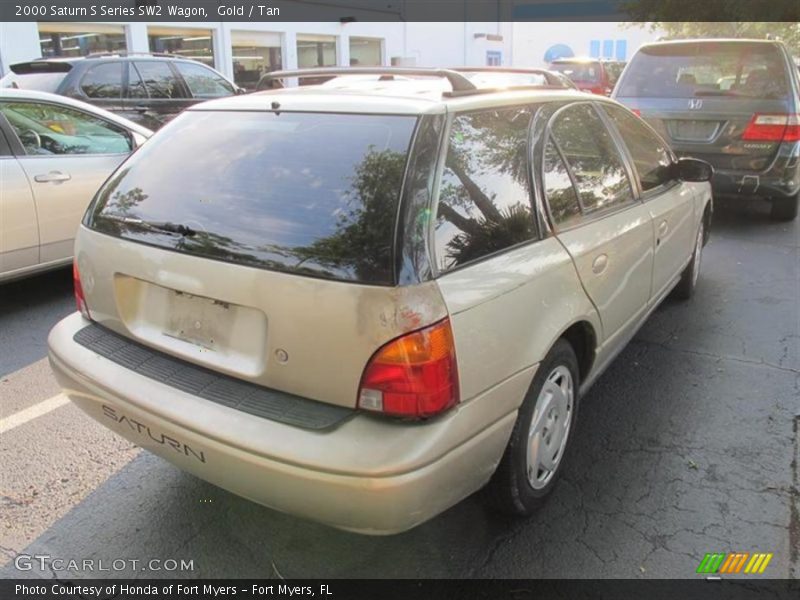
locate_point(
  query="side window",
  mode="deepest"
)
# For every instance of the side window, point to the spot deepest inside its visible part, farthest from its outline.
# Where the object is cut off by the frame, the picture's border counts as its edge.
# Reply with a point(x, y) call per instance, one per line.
point(203, 82)
point(559, 191)
point(103, 81)
point(159, 79)
point(136, 87)
point(650, 154)
point(484, 196)
point(47, 129)
point(591, 155)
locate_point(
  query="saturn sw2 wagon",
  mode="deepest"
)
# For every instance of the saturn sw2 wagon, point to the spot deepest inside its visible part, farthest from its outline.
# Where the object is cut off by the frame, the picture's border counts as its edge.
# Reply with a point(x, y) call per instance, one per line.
point(363, 301)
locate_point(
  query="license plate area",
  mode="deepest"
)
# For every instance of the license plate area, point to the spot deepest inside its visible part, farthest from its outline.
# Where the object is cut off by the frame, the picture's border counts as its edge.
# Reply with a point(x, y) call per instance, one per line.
point(221, 335)
point(693, 130)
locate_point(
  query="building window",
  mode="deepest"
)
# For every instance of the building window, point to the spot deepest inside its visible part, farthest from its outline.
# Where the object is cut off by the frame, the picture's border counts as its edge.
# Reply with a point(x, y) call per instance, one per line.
point(316, 51)
point(622, 50)
point(494, 58)
point(197, 44)
point(80, 39)
point(366, 52)
point(254, 54)
point(594, 48)
point(608, 48)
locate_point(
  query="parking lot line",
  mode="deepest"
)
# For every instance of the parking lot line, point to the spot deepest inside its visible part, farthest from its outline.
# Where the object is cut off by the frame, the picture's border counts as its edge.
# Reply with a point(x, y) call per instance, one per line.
point(37, 410)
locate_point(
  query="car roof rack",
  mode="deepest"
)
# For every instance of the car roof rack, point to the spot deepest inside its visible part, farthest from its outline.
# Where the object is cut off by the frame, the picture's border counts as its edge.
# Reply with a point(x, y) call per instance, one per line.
point(458, 82)
point(126, 53)
point(551, 78)
point(461, 85)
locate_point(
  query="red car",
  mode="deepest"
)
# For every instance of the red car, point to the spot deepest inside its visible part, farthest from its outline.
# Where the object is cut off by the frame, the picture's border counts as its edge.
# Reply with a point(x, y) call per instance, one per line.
point(590, 74)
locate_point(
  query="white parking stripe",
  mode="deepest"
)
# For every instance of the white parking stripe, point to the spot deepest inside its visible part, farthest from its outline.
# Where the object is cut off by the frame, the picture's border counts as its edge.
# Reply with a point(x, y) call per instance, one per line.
point(37, 410)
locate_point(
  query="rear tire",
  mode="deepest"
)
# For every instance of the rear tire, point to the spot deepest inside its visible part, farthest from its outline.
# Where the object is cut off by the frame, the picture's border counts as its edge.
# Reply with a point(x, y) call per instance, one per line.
point(685, 288)
point(534, 457)
point(785, 209)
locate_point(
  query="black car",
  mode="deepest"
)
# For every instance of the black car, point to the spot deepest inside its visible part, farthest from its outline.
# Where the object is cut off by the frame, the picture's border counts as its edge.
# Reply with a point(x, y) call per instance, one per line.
point(733, 103)
point(148, 89)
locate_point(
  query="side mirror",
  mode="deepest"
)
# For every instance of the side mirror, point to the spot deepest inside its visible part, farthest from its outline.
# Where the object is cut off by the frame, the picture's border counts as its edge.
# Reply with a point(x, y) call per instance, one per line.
point(693, 169)
point(240, 91)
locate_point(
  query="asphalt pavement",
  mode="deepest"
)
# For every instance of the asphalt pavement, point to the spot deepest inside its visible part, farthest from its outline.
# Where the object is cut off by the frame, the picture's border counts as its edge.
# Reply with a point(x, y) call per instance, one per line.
point(688, 444)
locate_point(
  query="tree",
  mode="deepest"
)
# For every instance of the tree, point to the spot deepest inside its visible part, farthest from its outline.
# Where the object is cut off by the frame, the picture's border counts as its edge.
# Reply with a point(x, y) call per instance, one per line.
point(661, 15)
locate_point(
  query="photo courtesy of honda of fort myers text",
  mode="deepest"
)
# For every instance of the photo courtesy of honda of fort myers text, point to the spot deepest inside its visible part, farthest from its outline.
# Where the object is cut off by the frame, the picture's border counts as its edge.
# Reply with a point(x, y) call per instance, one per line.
point(357, 299)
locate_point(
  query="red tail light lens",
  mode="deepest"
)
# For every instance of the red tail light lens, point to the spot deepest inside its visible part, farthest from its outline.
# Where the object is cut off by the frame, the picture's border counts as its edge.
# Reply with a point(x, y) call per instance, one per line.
point(80, 299)
point(637, 112)
point(773, 128)
point(414, 375)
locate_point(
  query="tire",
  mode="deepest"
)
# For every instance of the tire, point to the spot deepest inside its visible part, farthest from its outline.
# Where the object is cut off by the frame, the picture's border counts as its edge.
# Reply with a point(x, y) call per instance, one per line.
point(784, 209)
point(685, 288)
point(512, 490)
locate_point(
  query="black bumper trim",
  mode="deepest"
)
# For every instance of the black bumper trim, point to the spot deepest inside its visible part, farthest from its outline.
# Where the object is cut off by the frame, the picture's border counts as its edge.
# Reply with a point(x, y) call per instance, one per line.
point(210, 385)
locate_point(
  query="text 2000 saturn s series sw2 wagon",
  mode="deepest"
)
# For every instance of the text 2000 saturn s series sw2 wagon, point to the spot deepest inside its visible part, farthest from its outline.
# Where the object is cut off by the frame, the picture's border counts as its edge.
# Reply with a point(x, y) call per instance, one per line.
point(361, 302)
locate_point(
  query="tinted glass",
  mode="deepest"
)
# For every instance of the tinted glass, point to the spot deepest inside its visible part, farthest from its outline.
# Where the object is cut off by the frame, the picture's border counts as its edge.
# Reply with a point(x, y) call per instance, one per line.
point(158, 79)
point(103, 81)
point(589, 150)
point(136, 87)
point(651, 156)
point(721, 69)
point(559, 191)
point(484, 198)
point(46, 129)
point(203, 82)
point(588, 72)
point(301, 192)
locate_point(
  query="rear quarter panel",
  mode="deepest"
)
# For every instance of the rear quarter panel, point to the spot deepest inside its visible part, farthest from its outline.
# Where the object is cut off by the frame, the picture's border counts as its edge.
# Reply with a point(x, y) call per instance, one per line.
point(508, 311)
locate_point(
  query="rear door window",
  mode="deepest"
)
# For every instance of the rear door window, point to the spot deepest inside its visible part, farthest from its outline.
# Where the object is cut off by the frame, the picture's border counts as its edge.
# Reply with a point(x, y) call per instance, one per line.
point(587, 72)
point(203, 82)
point(484, 194)
point(593, 158)
point(722, 69)
point(308, 193)
point(159, 79)
point(103, 81)
point(562, 199)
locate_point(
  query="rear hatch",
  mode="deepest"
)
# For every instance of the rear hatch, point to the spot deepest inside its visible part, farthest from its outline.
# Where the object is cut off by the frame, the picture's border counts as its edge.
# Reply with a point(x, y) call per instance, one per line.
point(718, 100)
point(259, 244)
point(42, 76)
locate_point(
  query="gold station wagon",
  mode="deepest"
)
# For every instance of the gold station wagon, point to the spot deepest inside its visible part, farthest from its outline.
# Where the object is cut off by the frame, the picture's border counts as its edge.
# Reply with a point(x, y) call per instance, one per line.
point(362, 301)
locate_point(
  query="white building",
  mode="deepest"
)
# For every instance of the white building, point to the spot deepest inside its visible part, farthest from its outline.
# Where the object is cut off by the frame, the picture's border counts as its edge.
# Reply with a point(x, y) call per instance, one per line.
point(244, 50)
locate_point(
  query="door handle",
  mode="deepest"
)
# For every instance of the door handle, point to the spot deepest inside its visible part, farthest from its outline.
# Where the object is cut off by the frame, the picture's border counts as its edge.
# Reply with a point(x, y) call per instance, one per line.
point(600, 263)
point(663, 227)
point(52, 177)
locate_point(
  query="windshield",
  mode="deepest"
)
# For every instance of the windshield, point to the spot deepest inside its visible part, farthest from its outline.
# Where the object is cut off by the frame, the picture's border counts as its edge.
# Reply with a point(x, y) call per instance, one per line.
point(312, 193)
point(721, 69)
point(589, 72)
point(42, 82)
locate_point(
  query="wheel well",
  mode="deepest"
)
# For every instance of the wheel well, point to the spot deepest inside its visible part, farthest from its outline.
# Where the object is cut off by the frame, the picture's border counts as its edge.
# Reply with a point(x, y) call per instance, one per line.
point(707, 223)
point(583, 340)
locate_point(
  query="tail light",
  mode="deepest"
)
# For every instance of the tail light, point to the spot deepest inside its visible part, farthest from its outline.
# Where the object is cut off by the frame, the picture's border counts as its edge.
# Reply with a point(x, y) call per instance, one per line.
point(637, 112)
point(773, 128)
point(414, 375)
point(80, 299)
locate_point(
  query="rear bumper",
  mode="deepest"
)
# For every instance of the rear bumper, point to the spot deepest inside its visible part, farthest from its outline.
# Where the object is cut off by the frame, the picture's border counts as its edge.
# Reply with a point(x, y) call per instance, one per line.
point(780, 180)
point(369, 475)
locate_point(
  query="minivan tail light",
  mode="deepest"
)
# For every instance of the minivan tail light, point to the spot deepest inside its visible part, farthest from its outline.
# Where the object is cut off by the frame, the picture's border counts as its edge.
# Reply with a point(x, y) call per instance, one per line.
point(773, 128)
point(415, 375)
point(80, 298)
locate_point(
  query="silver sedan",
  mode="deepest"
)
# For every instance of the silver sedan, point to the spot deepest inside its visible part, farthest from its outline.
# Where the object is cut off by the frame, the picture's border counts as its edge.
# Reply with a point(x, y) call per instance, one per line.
point(55, 153)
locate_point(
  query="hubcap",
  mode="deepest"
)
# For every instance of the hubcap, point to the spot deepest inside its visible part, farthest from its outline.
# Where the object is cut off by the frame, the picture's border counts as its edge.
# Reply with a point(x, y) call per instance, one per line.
point(550, 426)
point(698, 255)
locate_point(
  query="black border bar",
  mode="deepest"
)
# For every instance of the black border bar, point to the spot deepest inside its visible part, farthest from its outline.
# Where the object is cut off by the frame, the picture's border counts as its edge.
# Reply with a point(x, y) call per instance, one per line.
point(347, 11)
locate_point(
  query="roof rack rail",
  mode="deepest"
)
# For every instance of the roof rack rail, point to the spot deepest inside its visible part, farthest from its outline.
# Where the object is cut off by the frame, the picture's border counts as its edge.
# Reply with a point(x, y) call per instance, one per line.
point(130, 53)
point(458, 82)
point(552, 79)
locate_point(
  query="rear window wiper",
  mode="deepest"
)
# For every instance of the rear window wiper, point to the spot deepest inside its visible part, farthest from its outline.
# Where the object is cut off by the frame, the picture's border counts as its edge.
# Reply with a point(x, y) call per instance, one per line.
point(163, 226)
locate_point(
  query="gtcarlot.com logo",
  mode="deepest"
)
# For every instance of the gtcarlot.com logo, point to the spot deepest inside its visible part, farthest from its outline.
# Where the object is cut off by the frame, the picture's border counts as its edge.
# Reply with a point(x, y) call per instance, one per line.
point(733, 563)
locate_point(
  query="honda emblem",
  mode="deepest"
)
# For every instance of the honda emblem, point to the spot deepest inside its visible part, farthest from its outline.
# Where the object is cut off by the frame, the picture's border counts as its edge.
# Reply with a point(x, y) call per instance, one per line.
point(695, 104)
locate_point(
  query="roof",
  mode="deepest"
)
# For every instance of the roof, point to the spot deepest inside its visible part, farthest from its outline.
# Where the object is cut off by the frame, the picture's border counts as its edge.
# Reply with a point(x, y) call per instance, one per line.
point(17, 94)
point(373, 93)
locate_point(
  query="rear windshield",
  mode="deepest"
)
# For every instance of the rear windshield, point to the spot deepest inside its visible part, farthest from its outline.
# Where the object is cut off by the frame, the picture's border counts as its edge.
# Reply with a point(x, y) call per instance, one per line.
point(42, 82)
point(307, 193)
point(711, 69)
point(589, 72)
